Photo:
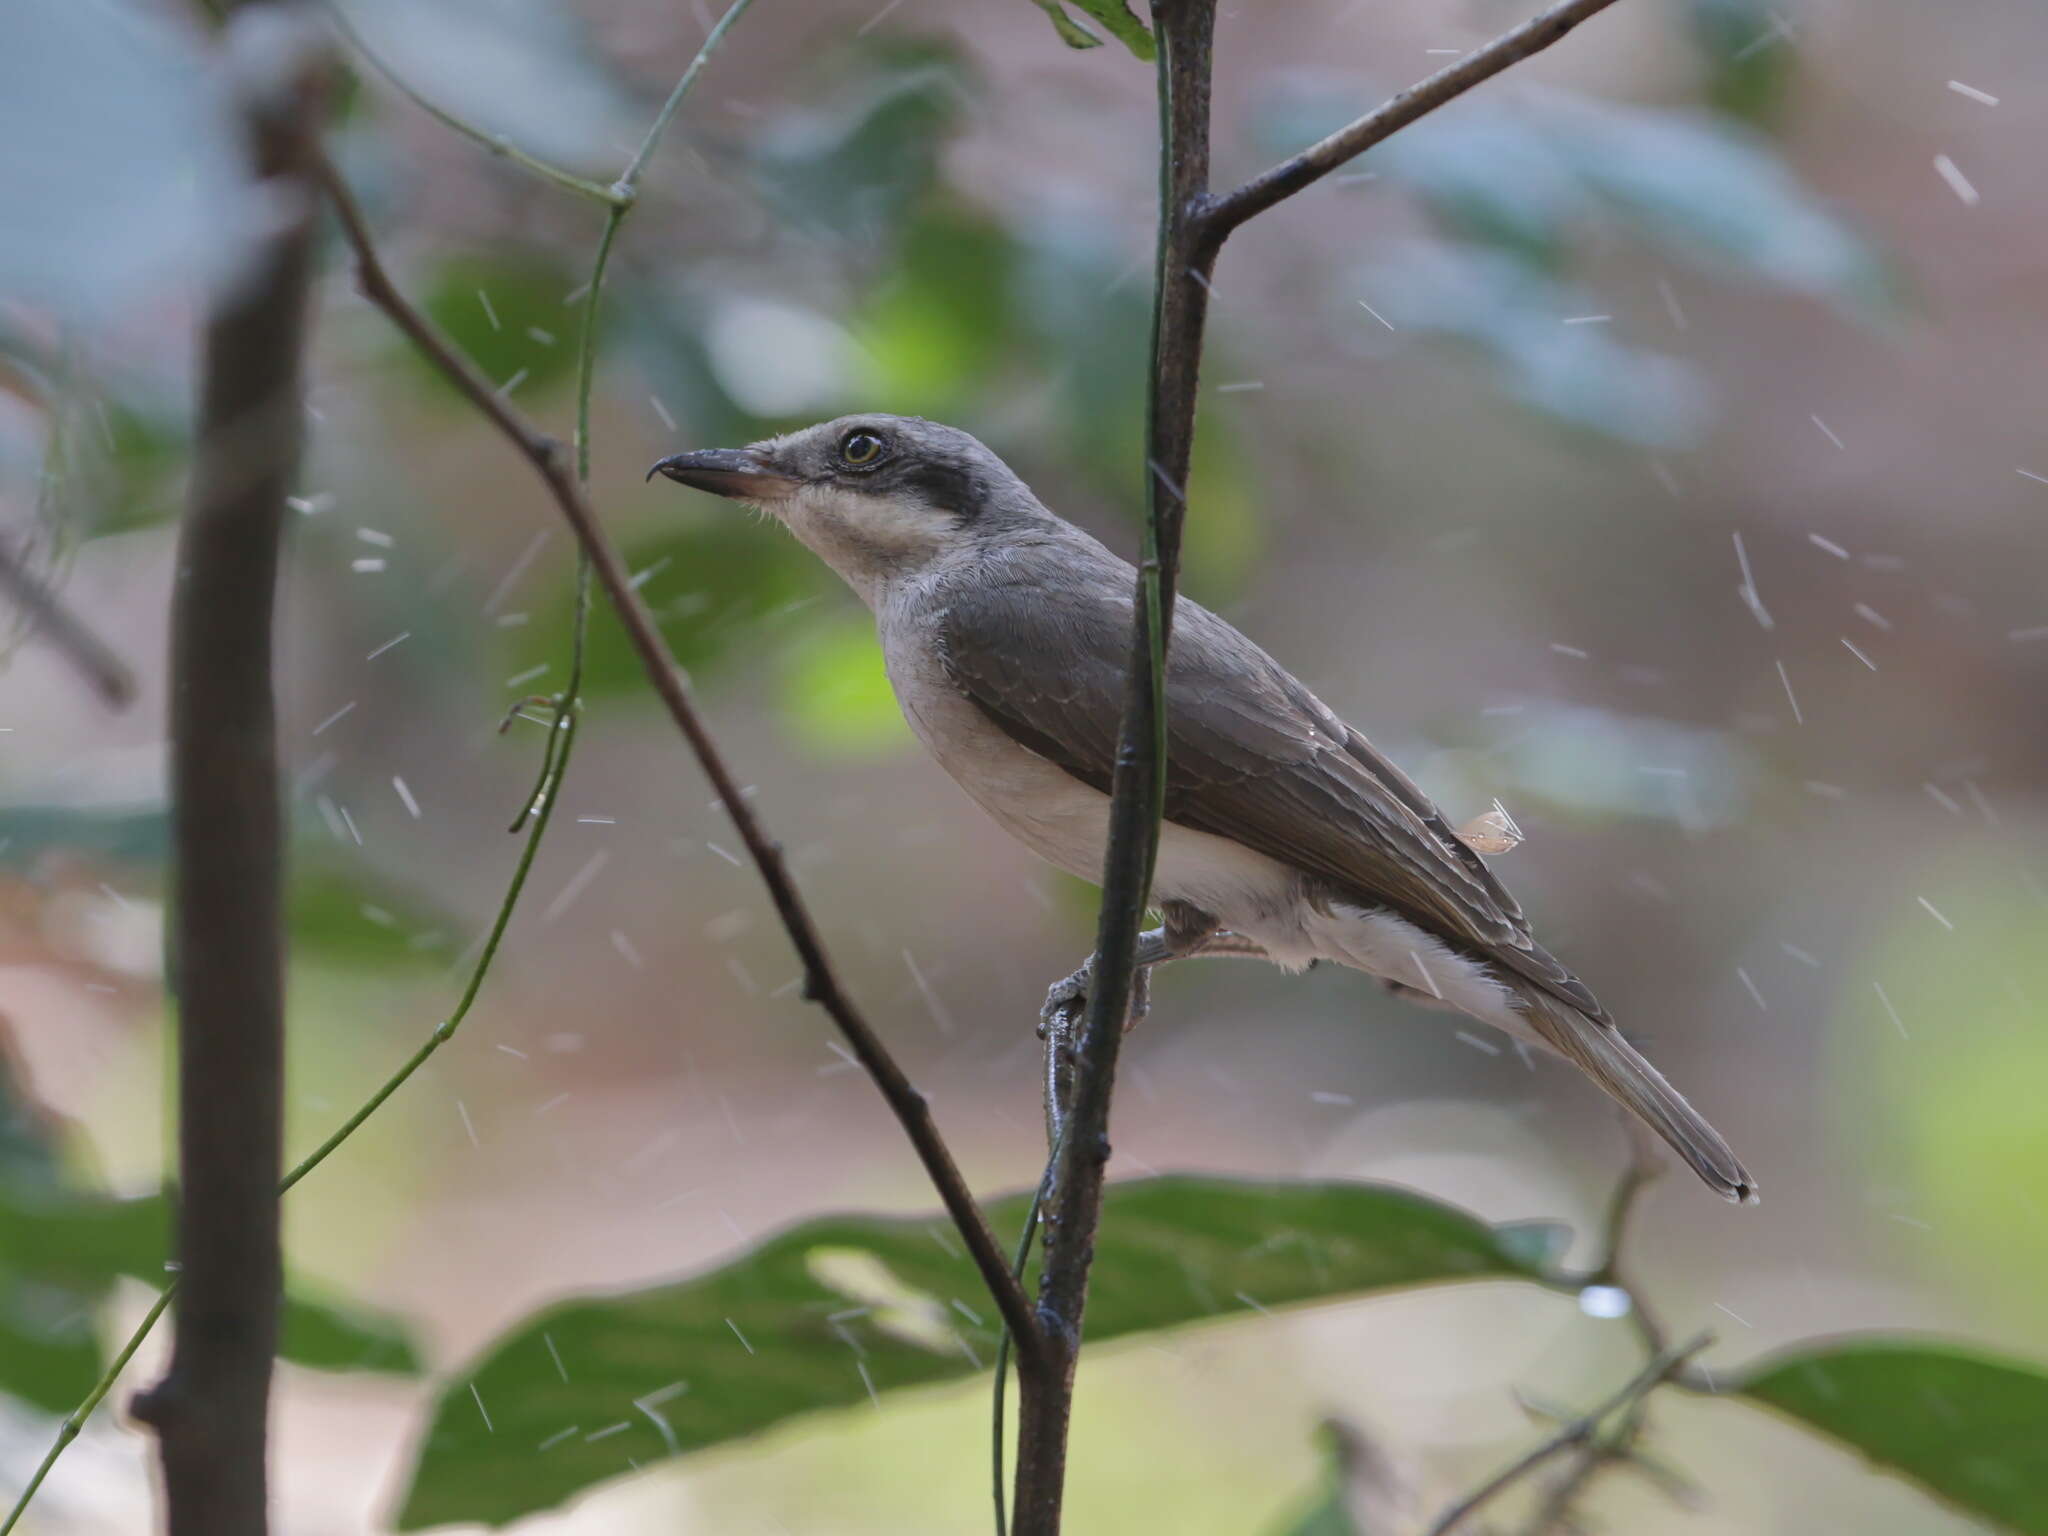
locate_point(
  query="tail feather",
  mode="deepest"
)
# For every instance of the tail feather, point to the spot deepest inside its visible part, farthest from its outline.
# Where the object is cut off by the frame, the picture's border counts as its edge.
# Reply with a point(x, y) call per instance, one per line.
point(1602, 1054)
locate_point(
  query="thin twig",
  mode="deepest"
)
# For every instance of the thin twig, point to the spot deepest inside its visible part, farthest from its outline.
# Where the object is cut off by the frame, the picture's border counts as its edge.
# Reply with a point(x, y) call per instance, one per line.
point(443, 1032)
point(821, 984)
point(211, 1410)
point(628, 185)
point(497, 143)
point(1002, 1370)
point(1645, 1167)
point(1578, 1432)
point(1225, 213)
point(74, 1421)
point(1589, 1460)
point(1597, 1453)
point(109, 675)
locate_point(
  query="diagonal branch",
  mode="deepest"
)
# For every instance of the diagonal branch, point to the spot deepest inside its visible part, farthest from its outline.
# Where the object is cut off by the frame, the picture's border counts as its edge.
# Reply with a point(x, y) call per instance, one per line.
point(1223, 214)
point(821, 983)
point(47, 616)
point(1580, 1431)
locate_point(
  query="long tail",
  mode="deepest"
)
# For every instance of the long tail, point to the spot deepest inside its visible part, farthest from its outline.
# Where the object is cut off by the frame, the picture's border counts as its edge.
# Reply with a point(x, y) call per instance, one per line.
point(1600, 1052)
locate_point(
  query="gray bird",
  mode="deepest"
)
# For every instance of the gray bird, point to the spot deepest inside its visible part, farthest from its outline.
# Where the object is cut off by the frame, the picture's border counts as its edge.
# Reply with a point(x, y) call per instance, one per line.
point(1005, 631)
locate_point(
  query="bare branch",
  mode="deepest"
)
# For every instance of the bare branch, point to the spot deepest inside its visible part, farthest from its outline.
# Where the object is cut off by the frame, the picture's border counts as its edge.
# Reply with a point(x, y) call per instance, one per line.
point(821, 984)
point(211, 1411)
point(497, 143)
point(109, 675)
point(1193, 225)
point(1645, 1167)
point(1224, 214)
point(628, 185)
point(1073, 1203)
point(1580, 1431)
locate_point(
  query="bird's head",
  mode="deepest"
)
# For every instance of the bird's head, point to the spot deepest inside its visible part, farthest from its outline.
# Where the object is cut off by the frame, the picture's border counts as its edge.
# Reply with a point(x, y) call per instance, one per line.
point(879, 498)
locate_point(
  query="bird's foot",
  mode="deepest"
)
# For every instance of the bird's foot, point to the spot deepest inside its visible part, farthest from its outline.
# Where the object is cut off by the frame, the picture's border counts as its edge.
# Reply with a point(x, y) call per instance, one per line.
point(1067, 1000)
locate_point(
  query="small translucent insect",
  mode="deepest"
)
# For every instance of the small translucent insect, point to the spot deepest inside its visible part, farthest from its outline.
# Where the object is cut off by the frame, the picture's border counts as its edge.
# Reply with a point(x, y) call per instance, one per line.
point(1491, 831)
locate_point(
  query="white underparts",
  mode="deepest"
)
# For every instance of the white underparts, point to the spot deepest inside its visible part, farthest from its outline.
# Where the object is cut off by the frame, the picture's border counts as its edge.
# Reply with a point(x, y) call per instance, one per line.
point(1391, 947)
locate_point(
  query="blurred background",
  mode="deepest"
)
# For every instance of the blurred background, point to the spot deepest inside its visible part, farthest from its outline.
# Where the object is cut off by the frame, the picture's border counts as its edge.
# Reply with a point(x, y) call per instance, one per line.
point(1652, 440)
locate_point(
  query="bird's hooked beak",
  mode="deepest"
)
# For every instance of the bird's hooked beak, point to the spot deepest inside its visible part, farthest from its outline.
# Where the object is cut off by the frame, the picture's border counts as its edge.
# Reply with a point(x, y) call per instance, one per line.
point(735, 472)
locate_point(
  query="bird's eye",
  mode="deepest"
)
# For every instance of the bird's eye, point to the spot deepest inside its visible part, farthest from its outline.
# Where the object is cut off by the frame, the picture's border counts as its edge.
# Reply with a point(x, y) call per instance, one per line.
point(861, 450)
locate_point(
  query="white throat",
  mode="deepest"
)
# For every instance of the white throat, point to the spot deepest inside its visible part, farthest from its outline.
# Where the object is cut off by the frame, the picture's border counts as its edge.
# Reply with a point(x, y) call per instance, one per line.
point(873, 542)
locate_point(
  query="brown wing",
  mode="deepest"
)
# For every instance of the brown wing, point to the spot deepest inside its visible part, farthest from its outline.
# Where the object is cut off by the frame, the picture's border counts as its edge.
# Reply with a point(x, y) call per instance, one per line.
point(1252, 755)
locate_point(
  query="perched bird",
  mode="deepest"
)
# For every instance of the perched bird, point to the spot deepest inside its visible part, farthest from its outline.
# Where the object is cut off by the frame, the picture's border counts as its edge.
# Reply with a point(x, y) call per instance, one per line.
point(1005, 630)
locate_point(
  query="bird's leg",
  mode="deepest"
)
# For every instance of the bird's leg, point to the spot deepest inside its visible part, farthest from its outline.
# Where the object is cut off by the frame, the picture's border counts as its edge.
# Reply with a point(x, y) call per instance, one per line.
point(1188, 931)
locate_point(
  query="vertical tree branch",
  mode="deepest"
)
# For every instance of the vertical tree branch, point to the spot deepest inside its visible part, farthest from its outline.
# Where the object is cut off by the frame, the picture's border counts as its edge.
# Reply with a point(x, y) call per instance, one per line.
point(1180, 306)
point(211, 1410)
point(1193, 225)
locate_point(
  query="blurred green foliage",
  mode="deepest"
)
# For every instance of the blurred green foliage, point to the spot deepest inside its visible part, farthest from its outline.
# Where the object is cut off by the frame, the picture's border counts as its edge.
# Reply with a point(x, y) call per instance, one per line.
point(510, 312)
point(1940, 1033)
point(841, 1307)
point(343, 915)
point(851, 166)
point(1520, 188)
point(1329, 1508)
point(63, 1245)
point(711, 585)
point(836, 695)
point(1966, 1427)
point(1747, 54)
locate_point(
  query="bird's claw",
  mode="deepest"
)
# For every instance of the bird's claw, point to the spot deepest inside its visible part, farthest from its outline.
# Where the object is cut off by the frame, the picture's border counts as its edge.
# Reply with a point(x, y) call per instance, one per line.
point(1067, 1000)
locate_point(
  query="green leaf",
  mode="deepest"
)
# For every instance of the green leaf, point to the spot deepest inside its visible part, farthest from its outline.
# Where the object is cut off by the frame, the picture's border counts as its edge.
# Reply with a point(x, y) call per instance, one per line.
point(1509, 308)
point(1071, 32)
point(339, 916)
point(1121, 22)
point(1530, 177)
point(842, 1306)
point(717, 580)
point(49, 1350)
point(1719, 194)
point(836, 695)
point(1328, 1511)
point(509, 314)
point(330, 1336)
point(1969, 1428)
point(49, 1347)
point(850, 165)
point(60, 1255)
point(944, 320)
point(62, 1249)
point(1749, 57)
